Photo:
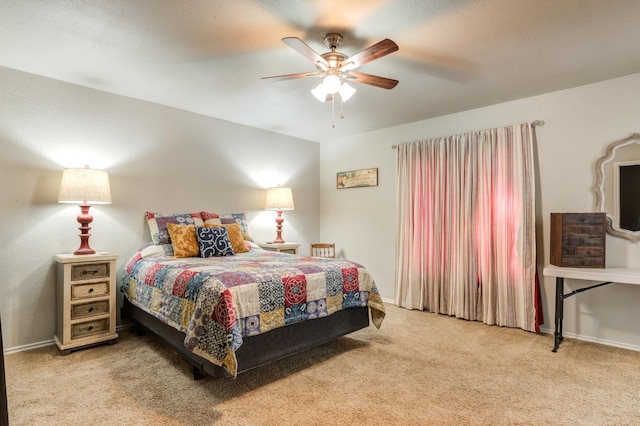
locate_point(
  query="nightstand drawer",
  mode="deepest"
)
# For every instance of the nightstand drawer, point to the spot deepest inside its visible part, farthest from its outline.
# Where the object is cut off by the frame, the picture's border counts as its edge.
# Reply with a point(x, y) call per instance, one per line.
point(90, 328)
point(83, 291)
point(89, 271)
point(84, 310)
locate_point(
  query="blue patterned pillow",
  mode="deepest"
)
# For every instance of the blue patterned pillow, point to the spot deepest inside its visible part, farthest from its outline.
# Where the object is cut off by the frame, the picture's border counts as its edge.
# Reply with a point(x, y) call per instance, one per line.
point(214, 242)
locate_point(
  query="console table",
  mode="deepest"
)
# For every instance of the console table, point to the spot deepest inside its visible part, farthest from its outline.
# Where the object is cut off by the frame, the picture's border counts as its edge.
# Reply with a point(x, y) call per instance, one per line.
point(603, 275)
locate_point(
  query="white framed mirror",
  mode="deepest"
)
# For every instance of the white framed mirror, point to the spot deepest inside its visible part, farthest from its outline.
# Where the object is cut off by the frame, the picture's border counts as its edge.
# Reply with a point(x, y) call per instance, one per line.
point(617, 187)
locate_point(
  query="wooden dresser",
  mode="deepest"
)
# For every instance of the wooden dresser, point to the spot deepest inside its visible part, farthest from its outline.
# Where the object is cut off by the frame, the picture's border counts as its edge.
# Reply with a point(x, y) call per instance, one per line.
point(86, 300)
point(578, 240)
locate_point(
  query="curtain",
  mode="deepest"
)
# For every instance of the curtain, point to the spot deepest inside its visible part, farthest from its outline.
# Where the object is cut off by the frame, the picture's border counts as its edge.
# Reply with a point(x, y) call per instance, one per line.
point(466, 227)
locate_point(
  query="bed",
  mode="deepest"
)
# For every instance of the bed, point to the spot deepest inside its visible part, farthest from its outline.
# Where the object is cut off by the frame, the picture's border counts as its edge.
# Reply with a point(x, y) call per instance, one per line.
point(226, 314)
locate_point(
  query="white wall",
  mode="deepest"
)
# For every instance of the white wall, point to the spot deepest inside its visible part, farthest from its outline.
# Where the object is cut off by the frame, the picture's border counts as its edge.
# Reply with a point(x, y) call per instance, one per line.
point(159, 159)
point(580, 123)
point(164, 159)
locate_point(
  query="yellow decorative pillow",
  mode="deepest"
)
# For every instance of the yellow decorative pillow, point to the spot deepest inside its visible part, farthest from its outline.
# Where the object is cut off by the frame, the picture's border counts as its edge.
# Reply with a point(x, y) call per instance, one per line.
point(235, 236)
point(183, 239)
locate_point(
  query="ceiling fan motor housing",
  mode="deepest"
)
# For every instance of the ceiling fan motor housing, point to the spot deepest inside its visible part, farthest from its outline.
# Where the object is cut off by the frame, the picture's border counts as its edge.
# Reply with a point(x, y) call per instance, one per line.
point(332, 40)
point(333, 58)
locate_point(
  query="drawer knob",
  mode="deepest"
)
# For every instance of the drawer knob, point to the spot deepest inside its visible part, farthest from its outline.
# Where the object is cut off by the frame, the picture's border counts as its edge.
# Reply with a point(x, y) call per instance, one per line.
point(91, 309)
point(90, 328)
point(90, 290)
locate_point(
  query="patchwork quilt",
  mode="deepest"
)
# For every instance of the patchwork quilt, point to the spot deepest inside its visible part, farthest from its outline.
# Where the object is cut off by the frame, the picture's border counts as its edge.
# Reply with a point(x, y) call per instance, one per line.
point(217, 301)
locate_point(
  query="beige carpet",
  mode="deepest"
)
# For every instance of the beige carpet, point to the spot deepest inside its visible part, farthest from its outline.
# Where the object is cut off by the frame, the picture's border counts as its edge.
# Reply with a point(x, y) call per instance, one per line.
point(419, 369)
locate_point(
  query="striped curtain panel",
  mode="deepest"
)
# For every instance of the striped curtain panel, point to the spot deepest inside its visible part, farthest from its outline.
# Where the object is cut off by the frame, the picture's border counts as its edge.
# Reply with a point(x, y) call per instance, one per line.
point(466, 227)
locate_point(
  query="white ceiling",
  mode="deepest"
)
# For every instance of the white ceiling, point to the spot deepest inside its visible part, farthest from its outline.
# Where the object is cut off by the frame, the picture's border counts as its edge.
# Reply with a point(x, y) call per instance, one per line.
point(208, 56)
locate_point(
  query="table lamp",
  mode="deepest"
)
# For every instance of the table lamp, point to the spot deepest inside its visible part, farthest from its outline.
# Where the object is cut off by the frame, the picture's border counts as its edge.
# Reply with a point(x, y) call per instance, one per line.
point(279, 199)
point(84, 187)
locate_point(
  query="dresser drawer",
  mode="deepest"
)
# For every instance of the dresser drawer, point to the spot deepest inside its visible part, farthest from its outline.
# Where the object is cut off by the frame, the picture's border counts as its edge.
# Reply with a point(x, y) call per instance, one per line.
point(84, 310)
point(583, 251)
point(89, 271)
point(582, 218)
point(582, 262)
point(597, 252)
point(89, 328)
point(583, 240)
point(84, 291)
point(582, 229)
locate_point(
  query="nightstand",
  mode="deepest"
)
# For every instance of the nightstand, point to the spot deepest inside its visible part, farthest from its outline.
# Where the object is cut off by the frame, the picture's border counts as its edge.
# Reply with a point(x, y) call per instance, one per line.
point(85, 300)
point(291, 248)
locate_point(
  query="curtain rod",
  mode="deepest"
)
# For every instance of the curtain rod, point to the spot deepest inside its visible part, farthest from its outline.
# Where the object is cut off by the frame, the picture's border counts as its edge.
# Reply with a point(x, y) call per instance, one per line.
point(533, 123)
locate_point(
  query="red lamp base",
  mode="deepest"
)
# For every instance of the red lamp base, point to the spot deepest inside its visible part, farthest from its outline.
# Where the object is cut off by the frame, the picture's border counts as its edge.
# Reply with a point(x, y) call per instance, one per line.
point(279, 221)
point(84, 219)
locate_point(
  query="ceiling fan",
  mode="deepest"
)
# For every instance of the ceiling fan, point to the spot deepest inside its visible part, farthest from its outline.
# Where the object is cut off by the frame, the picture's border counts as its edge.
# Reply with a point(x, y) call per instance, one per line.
point(336, 69)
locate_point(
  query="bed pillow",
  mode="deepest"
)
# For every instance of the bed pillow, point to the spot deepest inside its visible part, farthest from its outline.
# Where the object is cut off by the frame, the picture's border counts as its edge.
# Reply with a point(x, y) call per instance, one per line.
point(210, 218)
point(235, 236)
point(252, 246)
point(227, 218)
point(240, 219)
point(183, 240)
point(213, 242)
point(156, 250)
point(158, 224)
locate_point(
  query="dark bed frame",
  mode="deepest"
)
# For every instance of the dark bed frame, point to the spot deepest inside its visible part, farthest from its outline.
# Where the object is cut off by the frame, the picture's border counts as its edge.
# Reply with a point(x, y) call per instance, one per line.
point(263, 348)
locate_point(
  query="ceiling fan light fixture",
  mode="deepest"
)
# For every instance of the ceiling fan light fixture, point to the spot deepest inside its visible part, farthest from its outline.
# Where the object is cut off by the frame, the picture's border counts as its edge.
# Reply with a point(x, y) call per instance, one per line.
point(346, 92)
point(332, 83)
point(320, 92)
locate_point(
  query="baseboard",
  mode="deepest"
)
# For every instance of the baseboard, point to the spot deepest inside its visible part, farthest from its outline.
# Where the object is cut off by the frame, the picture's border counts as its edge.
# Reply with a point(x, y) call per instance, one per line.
point(622, 345)
point(591, 339)
point(28, 347)
point(44, 343)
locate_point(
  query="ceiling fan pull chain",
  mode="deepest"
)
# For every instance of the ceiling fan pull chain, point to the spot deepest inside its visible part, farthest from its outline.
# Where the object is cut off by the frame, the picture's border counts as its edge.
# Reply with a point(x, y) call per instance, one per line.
point(333, 111)
point(341, 108)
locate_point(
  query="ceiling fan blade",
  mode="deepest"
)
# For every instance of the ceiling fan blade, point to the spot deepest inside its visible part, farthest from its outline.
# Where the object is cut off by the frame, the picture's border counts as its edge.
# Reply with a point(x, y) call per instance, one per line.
point(369, 54)
point(293, 76)
point(303, 48)
point(373, 80)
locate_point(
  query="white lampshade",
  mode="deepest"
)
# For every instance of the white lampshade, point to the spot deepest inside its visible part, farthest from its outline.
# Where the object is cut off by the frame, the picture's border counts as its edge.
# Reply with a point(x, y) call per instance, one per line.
point(320, 93)
point(89, 186)
point(346, 92)
point(279, 198)
point(332, 83)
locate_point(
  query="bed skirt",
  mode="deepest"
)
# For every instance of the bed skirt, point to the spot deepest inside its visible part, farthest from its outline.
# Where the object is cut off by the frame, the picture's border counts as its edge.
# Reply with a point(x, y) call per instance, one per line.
point(262, 348)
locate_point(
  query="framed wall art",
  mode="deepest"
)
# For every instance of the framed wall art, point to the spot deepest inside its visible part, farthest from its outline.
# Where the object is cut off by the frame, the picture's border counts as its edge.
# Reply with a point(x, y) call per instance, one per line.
point(357, 178)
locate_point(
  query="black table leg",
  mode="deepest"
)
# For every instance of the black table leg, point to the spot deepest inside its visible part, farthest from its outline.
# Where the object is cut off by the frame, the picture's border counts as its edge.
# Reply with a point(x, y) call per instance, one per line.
point(559, 313)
